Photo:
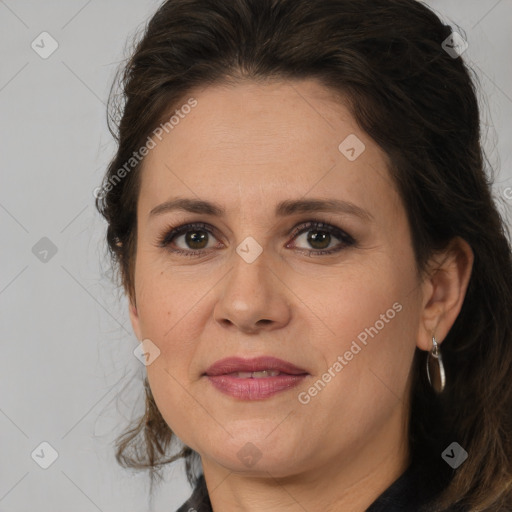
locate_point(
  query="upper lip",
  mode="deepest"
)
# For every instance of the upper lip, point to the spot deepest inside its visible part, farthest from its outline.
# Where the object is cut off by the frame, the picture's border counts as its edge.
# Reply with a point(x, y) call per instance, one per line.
point(239, 364)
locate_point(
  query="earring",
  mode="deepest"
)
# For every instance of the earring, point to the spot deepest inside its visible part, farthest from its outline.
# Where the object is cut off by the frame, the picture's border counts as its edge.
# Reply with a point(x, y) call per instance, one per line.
point(435, 368)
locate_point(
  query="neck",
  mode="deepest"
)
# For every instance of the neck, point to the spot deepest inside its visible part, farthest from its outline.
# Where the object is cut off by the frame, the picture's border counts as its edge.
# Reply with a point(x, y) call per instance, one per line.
point(330, 486)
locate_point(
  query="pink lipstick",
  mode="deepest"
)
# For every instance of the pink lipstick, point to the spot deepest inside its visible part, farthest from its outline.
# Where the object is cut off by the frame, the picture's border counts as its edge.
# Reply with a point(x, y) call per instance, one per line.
point(254, 379)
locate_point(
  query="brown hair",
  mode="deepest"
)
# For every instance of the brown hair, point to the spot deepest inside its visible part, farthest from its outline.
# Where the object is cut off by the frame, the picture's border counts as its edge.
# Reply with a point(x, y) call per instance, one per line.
point(419, 104)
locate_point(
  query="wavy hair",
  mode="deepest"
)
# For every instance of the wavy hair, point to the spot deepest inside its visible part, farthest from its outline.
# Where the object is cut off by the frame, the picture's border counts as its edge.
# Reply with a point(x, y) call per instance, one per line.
point(419, 104)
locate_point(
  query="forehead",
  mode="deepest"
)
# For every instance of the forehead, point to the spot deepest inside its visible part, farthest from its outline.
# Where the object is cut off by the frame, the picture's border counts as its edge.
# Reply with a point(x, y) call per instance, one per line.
point(252, 142)
point(260, 118)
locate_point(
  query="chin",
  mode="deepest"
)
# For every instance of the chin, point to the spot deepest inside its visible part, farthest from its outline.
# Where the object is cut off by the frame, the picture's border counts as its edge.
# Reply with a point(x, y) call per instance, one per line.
point(254, 457)
point(264, 467)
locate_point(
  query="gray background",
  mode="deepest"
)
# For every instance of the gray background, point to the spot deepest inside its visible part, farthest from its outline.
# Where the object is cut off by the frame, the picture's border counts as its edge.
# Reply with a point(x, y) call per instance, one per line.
point(68, 375)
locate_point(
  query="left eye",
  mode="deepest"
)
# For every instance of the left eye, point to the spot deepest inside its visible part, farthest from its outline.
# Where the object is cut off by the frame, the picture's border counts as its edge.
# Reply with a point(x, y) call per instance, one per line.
point(320, 235)
point(317, 234)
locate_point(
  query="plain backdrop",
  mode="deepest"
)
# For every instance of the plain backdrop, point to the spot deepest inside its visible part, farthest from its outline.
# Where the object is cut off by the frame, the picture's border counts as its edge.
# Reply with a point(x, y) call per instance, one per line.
point(68, 375)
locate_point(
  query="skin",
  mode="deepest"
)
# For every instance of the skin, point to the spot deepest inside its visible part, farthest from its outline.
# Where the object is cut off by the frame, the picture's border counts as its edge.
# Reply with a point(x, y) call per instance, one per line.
point(247, 147)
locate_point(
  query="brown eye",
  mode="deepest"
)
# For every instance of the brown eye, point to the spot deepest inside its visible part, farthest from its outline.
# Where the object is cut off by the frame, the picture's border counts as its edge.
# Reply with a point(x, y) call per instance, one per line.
point(319, 236)
point(189, 239)
point(194, 239)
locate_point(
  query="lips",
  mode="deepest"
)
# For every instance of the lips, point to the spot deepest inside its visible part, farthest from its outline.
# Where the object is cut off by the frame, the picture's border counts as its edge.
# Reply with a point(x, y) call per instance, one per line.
point(251, 368)
point(254, 379)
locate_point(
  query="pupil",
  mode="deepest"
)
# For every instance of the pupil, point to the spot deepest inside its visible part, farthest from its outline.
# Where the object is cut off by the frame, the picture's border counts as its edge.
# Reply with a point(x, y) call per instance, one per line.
point(193, 238)
point(315, 239)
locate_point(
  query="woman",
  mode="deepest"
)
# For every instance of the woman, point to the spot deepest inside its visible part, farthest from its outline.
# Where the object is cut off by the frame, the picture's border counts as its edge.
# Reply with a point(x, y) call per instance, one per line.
point(317, 273)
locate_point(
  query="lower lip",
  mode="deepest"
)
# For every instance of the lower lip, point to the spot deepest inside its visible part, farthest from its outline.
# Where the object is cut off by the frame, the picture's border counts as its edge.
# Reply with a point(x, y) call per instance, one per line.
point(255, 389)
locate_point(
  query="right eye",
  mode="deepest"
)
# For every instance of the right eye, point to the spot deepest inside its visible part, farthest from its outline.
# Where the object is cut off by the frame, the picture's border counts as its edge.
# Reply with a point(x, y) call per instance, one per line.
point(195, 235)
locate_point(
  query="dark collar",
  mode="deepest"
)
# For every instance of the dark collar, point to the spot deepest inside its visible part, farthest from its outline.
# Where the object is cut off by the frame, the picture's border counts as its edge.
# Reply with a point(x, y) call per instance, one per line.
point(407, 493)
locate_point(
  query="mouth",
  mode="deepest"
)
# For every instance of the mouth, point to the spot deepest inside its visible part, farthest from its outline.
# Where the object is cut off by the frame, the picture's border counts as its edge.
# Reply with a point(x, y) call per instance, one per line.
point(254, 379)
point(258, 367)
point(261, 374)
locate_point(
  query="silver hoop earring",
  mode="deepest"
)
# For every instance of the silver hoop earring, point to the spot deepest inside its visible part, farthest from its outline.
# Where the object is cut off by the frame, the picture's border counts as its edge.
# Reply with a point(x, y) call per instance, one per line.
point(435, 368)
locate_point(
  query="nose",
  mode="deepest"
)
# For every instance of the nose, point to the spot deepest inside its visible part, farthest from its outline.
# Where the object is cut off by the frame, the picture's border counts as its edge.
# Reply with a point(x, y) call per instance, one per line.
point(252, 297)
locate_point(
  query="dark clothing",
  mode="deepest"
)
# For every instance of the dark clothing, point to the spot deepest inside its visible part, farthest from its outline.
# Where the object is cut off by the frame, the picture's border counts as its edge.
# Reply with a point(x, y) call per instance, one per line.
point(408, 493)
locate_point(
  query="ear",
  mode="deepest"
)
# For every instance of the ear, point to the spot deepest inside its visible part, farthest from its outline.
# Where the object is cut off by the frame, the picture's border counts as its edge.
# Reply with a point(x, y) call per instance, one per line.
point(134, 318)
point(443, 291)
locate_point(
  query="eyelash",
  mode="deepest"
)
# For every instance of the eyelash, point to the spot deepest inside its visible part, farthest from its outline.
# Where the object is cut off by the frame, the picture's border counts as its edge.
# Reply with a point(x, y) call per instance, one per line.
point(312, 225)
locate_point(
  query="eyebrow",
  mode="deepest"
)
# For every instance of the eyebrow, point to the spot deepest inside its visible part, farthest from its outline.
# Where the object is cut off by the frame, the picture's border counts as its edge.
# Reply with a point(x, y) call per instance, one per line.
point(284, 208)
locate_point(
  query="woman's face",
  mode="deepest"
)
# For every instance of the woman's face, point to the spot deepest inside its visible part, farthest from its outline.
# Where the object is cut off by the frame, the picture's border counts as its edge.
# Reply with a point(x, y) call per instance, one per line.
point(342, 305)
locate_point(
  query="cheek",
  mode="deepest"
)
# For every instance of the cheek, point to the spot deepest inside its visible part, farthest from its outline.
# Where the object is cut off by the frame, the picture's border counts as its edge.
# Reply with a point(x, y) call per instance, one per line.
point(162, 303)
point(171, 400)
point(370, 361)
point(372, 322)
point(164, 321)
